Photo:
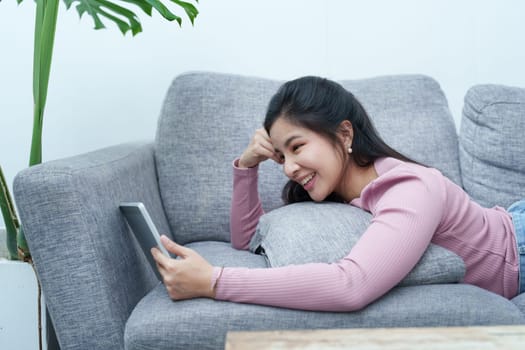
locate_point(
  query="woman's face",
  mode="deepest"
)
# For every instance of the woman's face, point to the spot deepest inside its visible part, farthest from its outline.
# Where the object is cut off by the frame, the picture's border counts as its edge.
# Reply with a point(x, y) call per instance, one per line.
point(308, 159)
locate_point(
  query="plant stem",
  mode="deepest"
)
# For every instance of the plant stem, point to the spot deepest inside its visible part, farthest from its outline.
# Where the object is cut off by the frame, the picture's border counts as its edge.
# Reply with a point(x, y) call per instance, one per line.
point(10, 219)
point(45, 28)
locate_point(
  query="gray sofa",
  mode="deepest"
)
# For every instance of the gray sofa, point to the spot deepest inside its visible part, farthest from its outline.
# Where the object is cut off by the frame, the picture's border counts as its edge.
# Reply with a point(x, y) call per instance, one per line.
point(102, 294)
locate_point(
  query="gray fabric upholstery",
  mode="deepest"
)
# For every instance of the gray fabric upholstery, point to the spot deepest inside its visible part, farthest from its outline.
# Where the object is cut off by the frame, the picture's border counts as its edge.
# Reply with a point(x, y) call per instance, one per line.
point(91, 273)
point(208, 119)
point(222, 254)
point(159, 323)
point(519, 301)
point(310, 232)
point(492, 144)
point(194, 324)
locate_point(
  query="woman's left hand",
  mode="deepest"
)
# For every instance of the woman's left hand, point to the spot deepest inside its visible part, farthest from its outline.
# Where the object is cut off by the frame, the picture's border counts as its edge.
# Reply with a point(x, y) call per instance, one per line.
point(187, 277)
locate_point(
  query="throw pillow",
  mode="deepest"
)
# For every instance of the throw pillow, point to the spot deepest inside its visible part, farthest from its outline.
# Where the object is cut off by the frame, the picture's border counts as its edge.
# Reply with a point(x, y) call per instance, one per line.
point(326, 232)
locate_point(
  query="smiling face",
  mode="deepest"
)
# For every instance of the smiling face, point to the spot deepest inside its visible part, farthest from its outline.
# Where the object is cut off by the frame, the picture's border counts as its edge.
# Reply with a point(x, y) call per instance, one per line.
point(309, 159)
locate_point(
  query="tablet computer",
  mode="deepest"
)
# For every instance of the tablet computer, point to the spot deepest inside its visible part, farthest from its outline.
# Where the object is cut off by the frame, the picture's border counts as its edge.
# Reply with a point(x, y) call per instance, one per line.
point(144, 230)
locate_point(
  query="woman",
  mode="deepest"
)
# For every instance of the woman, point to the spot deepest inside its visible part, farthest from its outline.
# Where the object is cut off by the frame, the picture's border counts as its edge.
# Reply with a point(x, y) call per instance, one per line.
point(330, 150)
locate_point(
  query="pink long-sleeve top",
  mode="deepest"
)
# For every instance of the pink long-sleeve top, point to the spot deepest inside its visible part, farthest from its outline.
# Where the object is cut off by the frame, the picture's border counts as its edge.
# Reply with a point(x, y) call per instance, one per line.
point(411, 206)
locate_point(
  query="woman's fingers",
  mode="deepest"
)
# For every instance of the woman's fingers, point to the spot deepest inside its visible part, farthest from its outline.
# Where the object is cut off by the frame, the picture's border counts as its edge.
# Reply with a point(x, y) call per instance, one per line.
point(184, 278)
point(266, 142)
point(259, 150)
point(160, 258)
point(174, 248)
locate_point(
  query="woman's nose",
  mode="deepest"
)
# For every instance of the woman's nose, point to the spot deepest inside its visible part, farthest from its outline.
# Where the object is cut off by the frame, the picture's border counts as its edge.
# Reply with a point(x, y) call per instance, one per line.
point(290, 168)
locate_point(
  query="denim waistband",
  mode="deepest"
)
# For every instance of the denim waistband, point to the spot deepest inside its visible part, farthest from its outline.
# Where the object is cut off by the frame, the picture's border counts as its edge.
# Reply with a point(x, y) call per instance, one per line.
point(517, 211)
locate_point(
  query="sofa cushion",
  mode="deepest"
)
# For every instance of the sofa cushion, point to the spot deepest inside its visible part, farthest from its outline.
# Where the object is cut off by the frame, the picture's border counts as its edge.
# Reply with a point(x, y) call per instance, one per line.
point(519, 301)
point(492, 144)
point(222, 254)
point(326, 232)
point(160, 323)
point(208, 119)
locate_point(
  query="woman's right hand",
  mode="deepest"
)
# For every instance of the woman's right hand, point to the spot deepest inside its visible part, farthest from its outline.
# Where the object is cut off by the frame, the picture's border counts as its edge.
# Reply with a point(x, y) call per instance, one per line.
point(259, 150)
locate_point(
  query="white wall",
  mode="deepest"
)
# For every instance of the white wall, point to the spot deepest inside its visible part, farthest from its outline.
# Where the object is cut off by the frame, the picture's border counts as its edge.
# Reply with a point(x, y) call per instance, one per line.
point(106, 88)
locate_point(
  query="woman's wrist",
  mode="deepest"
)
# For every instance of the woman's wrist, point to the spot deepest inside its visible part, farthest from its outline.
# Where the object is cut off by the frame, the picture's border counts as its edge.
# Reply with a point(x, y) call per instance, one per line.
point(216, 275)
point(239, 165)
point(242, 165)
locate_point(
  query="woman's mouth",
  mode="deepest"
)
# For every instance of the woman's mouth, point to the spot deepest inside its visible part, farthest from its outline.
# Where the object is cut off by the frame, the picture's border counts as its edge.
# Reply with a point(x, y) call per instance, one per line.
point(307, 182)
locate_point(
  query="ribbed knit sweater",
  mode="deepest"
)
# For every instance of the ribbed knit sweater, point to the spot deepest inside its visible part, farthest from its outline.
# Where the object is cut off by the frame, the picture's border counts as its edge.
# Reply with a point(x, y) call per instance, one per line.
point(411, 206)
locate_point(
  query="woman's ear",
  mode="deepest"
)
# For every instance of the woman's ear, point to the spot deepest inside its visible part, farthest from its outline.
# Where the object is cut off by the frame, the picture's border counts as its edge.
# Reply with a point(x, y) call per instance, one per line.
point(346, 132)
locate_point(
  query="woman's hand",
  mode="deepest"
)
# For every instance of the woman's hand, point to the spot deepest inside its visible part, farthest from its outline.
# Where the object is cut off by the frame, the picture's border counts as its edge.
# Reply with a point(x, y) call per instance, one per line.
point(259, 150)
point(187, 277)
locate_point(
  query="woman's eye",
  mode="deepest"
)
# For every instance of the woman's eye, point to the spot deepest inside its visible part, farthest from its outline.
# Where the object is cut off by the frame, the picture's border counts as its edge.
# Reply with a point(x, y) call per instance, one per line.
point(296, 147)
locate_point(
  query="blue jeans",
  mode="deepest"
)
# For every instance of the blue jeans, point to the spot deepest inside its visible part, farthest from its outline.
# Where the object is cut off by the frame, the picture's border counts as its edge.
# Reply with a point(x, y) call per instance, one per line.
point(517, 211)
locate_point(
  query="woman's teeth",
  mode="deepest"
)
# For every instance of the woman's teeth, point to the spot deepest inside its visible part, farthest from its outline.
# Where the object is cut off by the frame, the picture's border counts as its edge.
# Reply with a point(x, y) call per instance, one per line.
point(307, 179)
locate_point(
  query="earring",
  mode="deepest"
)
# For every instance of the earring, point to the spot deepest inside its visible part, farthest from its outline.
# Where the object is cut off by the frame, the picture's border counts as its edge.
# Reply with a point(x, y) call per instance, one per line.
point(349, 150)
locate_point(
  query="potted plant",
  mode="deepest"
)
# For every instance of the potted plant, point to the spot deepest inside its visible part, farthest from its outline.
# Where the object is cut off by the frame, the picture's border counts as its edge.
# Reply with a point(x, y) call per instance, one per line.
point(17, 259)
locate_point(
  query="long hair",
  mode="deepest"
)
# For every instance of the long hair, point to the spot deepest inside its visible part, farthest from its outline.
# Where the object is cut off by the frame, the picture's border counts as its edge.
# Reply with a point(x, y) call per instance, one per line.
point(321, 105)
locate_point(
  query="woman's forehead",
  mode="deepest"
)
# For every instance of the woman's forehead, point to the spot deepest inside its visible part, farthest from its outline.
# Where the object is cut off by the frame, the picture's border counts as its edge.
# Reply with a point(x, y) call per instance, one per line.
point(283, 133)
point(283, 127)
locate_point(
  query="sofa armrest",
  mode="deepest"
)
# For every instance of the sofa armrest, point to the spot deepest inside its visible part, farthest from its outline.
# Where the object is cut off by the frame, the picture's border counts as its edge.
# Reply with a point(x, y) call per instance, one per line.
point(90, 267)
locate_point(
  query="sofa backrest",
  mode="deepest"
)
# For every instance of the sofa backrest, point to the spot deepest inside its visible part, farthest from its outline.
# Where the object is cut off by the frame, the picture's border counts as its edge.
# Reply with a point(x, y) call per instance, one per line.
point(492, 144)
point(208, 119)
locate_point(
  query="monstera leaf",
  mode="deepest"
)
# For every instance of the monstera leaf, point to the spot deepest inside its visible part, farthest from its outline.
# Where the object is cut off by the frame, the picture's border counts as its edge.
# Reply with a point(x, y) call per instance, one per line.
point(124, 18)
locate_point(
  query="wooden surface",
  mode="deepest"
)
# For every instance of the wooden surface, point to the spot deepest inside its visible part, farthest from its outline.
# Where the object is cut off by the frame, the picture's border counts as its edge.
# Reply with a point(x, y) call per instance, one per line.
point(471, 338)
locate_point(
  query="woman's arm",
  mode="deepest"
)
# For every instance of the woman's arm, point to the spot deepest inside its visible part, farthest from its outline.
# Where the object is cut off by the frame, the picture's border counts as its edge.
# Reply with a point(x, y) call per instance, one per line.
point(246, 208)
point(406, 215)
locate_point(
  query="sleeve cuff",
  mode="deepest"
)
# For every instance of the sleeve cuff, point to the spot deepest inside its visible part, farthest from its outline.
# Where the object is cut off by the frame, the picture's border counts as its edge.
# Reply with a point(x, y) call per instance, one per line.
point(217, 272)
point(243, 170)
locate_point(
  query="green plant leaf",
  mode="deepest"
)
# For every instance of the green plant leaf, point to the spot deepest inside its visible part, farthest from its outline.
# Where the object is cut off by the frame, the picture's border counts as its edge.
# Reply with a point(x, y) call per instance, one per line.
point(126, 19)
point(81, 9)
point(39, 19)
point(190, 10)
point(10, 218)
point(164, 12)
point(133, 21)
point(144, 5)
point(45, 27)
